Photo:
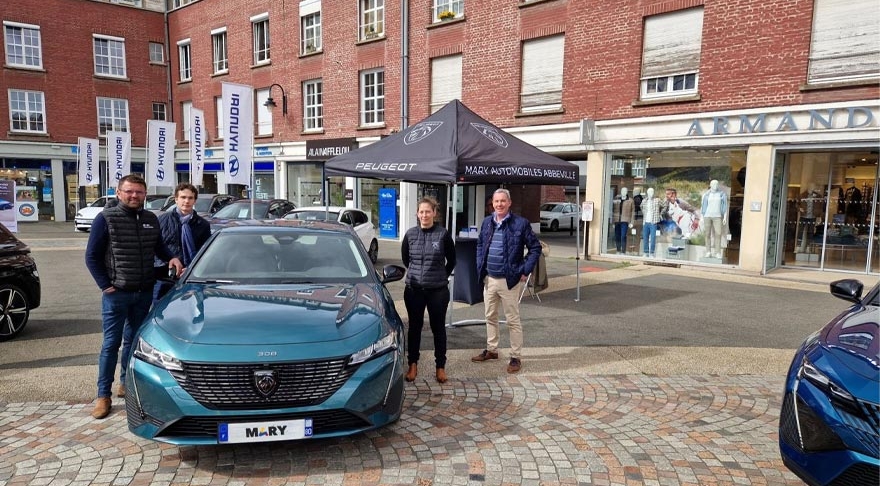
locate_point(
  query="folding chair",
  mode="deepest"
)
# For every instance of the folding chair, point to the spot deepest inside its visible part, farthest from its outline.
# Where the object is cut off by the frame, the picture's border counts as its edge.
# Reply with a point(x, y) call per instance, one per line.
point(530, 288)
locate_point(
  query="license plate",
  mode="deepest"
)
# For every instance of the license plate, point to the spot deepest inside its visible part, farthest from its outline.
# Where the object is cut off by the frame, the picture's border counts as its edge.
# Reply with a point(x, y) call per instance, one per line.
point(264, 431)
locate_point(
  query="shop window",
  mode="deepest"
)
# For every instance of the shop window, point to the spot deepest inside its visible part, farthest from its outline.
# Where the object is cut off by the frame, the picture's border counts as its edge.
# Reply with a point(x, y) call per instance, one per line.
point(675, 205)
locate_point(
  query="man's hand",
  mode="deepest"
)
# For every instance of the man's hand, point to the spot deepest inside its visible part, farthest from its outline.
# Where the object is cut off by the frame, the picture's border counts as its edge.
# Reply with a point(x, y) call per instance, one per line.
point(176, 264)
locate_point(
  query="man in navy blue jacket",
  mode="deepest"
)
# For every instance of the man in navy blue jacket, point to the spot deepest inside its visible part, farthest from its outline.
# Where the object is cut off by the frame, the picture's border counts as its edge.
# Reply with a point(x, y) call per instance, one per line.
point(503, 268)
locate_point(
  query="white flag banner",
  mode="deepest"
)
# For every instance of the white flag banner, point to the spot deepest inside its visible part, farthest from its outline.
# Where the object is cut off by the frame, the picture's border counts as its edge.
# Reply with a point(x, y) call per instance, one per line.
point(197, 146)
point(118, 155)
point(160, 153)
point(87, 157)
point(238, 139)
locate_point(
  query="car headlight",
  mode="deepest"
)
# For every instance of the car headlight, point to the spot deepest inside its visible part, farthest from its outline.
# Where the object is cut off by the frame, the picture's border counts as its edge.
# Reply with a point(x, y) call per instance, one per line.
point(809, 372)
point(386, 343)
point(151, 355)
point(79, 215)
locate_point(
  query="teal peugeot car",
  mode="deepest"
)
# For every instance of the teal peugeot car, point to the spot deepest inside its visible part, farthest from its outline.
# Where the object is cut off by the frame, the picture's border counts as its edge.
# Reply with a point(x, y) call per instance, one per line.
point(278, 330)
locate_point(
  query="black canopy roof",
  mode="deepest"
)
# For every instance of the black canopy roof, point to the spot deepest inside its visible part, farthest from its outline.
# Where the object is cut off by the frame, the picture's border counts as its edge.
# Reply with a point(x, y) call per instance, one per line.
point(454, 145)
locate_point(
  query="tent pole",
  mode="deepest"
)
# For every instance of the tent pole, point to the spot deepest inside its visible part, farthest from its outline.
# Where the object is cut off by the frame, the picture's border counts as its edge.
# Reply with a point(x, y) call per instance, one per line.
point(451, 195)
point(577, 251)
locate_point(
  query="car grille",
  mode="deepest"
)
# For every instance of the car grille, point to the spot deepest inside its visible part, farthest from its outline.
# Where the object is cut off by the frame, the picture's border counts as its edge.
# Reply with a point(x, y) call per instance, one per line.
point(788, 424)
point(324, 422)
point(233, 387)
point(864, 425)
point(858, 475)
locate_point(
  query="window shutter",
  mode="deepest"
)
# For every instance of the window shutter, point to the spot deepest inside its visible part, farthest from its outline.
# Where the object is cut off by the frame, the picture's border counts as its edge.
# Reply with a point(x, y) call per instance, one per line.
point(846, 40)
point(308, 7)
point(445, 81)
point(672, 43)
point(542, 74)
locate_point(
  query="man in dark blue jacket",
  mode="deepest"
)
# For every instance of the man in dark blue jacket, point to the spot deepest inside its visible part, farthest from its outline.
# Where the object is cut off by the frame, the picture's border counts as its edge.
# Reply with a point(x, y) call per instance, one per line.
point(183, 231)
point(503, 268)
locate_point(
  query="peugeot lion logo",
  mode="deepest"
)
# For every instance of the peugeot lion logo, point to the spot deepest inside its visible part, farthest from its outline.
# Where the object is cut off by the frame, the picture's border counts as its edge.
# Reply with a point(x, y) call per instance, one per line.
point(491, 133)
point(233, 165)
point(421, 132)
point(266, 382)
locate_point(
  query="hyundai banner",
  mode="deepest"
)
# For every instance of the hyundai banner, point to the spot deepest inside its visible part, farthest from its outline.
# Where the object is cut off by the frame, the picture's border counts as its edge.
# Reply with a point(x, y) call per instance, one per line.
point(118, 156)
point(196, 146)
point(87, 157)
point(160, 153)
point(238, 129)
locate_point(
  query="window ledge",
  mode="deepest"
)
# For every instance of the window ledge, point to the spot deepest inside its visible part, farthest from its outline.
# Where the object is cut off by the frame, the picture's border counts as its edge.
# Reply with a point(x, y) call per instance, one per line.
point(666, 100)
point(523, 114)
point(112, 78)
point(312, 53)
point(262, 64)
point(265, 135)
point(154, 63)
point(20, 135)
point(860, 83)
point(378, 38)
point(529, 3)
point(221, 73)
point(441, 23)
point(24, 68)
point(379, 126)
point(312, 132)
point(185, 81)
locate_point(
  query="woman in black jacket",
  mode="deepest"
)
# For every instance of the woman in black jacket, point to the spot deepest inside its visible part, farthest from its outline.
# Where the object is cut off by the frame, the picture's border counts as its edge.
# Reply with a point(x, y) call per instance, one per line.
point(428, 253)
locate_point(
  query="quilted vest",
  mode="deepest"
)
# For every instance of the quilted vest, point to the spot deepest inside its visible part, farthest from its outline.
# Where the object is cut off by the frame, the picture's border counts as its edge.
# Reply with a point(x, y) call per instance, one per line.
point(131, 249)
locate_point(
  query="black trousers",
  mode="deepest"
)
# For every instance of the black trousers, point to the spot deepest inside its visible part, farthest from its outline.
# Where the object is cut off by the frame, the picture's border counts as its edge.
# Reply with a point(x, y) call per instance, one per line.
point(436, 301)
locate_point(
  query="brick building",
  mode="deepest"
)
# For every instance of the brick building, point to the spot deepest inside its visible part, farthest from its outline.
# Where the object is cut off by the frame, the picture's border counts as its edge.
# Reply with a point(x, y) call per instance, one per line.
point(776, 101)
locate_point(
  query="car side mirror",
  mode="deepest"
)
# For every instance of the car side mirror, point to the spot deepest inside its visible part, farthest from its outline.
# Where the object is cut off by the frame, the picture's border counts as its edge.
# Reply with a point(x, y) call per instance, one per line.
point(392, 273)
point(848, 289)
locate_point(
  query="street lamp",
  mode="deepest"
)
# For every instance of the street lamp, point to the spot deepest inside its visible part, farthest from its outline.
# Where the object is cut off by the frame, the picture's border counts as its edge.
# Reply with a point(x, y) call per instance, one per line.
point(271, 103)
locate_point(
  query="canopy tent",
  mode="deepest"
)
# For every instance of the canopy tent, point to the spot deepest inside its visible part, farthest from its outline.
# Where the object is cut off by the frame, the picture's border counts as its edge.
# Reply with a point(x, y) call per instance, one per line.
point(455, 146)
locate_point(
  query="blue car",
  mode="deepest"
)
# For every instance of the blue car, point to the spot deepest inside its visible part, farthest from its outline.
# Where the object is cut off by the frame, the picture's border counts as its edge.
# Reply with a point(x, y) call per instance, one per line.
point(278, 330)
point(829, 426)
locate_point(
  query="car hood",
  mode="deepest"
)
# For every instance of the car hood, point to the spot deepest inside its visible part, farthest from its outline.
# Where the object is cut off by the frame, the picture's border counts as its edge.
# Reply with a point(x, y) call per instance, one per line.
point(89, 212)
point(852, 342)
point(260, 314)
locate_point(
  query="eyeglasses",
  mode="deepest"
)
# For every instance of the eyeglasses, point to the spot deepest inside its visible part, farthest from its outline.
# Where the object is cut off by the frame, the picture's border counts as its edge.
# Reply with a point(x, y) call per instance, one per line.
point(134, 193)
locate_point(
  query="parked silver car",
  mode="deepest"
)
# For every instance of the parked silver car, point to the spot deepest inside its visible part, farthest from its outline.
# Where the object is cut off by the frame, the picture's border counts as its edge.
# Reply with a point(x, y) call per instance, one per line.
point(559, 215)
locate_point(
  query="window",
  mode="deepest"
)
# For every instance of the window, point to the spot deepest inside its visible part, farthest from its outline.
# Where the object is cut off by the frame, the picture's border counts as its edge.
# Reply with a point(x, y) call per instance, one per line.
point(264, 114)
point(218, 104)
point(160, 111)
point(186, 110)
point(157, 53)
point(671, 56)
point(184, 51)
point(542, 74)
point(310, 26)
point(444, 6)
point(221, 58)
point(844, 46)
point(260, 25)
point(372, 19)
point(372, 97)
point(109, 56)
point(27, 111)
point(313, 105)
point(23, 46)
point(445, 81)
point(112, 115)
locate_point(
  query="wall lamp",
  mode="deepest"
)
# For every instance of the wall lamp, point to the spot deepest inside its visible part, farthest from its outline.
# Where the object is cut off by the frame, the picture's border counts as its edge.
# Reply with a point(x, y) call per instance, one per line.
point(271, 103)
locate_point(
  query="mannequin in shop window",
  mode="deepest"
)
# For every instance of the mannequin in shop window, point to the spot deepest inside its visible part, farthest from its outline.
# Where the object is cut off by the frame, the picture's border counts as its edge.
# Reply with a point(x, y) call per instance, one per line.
point(714, 212)
point(853, 197)
point(652, 209)
point(809, 210)
point(622, 217)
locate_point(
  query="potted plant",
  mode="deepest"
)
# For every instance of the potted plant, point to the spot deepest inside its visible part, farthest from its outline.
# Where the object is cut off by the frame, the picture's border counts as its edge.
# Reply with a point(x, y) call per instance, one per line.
point(310, 47)
point(446, 15)
point(369, 32)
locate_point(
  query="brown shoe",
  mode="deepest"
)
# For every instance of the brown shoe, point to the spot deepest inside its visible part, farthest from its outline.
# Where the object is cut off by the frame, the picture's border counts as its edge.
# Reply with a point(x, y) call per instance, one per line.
point(120, 391)
point(514, 365)
point(441, 375)
point(102, 408)
point(412, 373)
point(486, 355)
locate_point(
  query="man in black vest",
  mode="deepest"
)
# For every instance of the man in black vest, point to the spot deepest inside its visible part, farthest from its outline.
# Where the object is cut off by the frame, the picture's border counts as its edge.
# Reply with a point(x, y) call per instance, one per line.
point(123, 241)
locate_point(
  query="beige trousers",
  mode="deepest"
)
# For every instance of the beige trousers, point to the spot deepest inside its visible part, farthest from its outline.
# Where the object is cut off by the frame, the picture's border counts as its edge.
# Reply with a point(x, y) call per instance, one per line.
point(495, 295)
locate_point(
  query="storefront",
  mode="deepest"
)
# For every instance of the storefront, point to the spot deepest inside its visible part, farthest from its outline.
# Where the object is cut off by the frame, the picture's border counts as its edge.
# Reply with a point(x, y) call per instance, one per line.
point(755, 189)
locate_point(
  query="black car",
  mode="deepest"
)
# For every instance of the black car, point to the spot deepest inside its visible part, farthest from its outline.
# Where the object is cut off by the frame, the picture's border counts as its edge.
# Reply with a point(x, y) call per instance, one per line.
point(206, 204)
point(19, 284)
point(263, 209)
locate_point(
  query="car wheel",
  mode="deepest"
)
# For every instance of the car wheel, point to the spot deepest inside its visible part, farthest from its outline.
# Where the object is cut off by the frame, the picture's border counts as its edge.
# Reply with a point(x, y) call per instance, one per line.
point(554, 225)
point(374, 251)
point(14, 311)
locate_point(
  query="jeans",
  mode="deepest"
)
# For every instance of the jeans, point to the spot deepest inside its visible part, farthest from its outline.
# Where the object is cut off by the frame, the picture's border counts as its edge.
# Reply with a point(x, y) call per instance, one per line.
point(122, 313)
point(436, 301)
point(620, 236)
point(649, 237)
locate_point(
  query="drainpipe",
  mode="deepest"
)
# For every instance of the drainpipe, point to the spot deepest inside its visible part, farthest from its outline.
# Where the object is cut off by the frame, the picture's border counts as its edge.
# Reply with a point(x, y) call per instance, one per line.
point(404, 64)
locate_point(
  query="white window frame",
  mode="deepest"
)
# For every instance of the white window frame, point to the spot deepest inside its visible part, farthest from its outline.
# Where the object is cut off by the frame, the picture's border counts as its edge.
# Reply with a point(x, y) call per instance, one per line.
point(23, 44)
point(262, 44)
point(114, 111)
point(109, 56)
point(157, 53)
point(218, 105)
point(264, 114)
point(372, 19)
point(671, 54)
point(220, 51)
point(186, 111)
point(372, 97)
point(184, 60)
point(313, 105)
point(543, 62)
point(160, 111)
point(454, 6)
point(844, 42)
point(32, 105)
point(310, 27)
point(446, 75)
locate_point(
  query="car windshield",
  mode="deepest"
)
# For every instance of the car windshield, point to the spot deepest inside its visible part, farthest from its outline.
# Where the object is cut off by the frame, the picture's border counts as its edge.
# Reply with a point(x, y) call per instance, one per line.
point(556, 208)
point(276, 257)
point(242, 210)
point(99, 203)
point(155, 202)
point(313, 215)
point(202, 205)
